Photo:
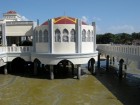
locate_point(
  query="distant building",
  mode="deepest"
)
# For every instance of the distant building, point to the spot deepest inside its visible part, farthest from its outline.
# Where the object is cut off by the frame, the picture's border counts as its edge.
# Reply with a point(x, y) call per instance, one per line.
point(13, 29)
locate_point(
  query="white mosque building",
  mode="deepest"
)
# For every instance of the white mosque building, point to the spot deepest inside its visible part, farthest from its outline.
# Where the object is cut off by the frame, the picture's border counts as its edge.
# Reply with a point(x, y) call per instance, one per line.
point(62, 41)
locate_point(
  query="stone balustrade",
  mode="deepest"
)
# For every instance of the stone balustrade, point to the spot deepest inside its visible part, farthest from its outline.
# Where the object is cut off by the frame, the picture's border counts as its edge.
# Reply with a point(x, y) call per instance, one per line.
point(16, 49)
point(124, 49)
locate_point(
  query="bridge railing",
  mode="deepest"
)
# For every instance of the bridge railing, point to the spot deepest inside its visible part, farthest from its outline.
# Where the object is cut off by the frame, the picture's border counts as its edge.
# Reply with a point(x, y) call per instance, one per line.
point(16, 49)
point(125, 49)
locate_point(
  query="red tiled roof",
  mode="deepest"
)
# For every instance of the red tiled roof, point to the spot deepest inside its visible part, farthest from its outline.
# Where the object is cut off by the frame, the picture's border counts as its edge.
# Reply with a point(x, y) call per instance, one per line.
point(64, 20)
point(45, 23)
point(11, 12)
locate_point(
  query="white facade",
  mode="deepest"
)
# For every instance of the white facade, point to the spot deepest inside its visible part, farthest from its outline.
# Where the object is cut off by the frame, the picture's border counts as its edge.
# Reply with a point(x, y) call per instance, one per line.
point(61, 38)
point(56, 41)
point(14, 30)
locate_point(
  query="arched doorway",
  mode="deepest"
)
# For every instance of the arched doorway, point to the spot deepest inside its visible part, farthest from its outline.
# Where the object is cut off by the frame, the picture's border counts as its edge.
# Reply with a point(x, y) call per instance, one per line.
point(37, 65)
point(91, 66)
point(64, 69)
point(18, 65)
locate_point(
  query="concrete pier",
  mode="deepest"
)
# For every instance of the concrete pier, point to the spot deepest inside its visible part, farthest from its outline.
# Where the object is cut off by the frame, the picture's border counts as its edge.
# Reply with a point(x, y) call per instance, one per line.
point(78, 71)
point(5, 70)
point(51, 72)
point(107, 63)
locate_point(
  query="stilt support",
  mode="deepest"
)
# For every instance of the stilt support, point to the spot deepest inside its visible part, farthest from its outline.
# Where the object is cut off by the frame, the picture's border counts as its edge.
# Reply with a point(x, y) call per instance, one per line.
point(99, 61)
point(121, 68)
point(5, 70)
point(35, 69)
point(78, 71)
point(51, 72)
point(94, 69)
point(107, 63)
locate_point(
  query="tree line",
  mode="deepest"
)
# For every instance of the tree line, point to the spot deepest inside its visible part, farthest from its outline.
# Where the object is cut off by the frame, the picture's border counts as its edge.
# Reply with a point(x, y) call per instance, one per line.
point(121, 38)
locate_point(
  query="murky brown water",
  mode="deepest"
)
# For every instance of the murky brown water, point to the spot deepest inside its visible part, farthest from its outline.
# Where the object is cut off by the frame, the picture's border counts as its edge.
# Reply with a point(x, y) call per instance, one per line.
point(16, 90)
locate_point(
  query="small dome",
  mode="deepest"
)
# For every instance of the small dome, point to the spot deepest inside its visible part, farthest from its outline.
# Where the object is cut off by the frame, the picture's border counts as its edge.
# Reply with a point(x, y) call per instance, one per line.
point(11, 12)
point(64, 20)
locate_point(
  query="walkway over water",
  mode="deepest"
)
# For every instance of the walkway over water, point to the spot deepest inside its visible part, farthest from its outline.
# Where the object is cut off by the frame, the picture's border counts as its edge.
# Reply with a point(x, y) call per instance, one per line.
point(122, 51)
point(128, 55)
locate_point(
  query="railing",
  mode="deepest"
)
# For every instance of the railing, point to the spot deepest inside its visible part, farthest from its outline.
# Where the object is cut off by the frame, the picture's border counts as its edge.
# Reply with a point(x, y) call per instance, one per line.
point(16, 49)
point(125, 49)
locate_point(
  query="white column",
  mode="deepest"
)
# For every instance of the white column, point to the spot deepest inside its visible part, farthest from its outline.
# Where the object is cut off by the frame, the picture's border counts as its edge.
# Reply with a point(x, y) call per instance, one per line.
point(94, 42)
point(51, 35)
point(4, 40)
point(51, 72)
point(78, 36)
point(78, 71)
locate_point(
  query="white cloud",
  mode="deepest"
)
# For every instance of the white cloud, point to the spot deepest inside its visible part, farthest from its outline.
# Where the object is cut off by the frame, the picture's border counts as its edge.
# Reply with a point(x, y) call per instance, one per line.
point(24, 18)
point(85, 19)
point(97, 19)
point(121, 29)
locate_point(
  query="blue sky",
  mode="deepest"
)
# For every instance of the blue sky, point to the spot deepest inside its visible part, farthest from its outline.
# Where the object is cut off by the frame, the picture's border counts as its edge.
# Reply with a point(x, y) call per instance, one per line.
point(113, 16)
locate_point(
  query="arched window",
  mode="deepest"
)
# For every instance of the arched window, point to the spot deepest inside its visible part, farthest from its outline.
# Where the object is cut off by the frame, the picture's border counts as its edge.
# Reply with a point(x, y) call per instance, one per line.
point(73, 37)
point(88, 36)
point(84, 35)
point(57, 35)
point(92, 36)
point(40, 36)
point(45, 36)
point(65, 35)
point(36, 36)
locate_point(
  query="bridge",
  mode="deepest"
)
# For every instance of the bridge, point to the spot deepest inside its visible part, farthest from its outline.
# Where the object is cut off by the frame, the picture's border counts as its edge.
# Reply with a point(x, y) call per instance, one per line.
point(125, 57)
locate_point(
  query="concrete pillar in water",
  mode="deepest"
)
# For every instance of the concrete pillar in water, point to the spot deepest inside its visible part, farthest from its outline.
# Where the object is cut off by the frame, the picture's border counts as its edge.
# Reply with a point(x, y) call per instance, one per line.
point(107, 63)
point(78, 71)
point(51, 72)
point(99, 61)
point(72, 69)
point(42, 67)
point(113, 61)
point(35, 68)
point(93, 69)
point(89, 65)
point(110, 61)
point(5, 70)
point(121, 68)
point(125, 69)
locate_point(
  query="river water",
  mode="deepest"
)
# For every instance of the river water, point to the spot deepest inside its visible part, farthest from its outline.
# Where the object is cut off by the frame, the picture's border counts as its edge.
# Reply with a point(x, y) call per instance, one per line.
point(23, 90)
point(102, 89)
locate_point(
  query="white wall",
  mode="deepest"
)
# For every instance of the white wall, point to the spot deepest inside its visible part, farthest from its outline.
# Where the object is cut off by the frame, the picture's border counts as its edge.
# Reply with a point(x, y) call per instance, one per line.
point(42, 47)
point(64, 47)
point(87, 47)
point(19, 30)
